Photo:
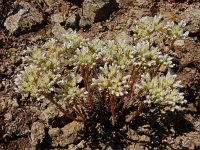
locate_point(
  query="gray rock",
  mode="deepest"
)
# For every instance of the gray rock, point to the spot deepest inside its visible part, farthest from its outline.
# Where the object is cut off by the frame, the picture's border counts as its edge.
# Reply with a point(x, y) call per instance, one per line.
point(84, 23)
point(192, 17)
point(49, 114)
point(27, 19)
point(72, 21)
point(81, 144)
point(8, 116)
point(58, 17)
point(72, 147)
point(141, 2)
point(58, 31)
point(9, 72)
point(136, 146)
point(54, 132)
point(15, 103)
point(37, 133)
point(52, 3)
point(99, 10)
point(145, 139)
point(69, 134)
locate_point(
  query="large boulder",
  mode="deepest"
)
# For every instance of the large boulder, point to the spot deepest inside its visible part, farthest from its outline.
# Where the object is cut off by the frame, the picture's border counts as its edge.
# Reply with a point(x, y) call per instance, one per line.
point(99, 10)
point(192, 18)
point(27, 18)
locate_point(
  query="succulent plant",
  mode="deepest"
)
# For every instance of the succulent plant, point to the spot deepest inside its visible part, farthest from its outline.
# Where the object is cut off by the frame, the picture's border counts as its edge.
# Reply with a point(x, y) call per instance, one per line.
point(108, 73)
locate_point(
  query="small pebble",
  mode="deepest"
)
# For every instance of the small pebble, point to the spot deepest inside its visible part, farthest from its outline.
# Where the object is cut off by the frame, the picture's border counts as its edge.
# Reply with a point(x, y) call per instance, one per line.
point(9, 72)
point(15, 103)
point(84, 23)
point(81, 144)
point(8, 116)
point(73, 21)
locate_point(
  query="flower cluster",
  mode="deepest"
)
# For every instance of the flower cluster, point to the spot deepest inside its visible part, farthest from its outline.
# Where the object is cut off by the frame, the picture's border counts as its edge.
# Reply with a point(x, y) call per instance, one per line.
point(72, 41)
point(146, 56)
point(119, 54)
point(124, 71)
point(175, 31)
point(88, 53)
point(162, 90)
point(36, 81)
point(69, 89)
point(157, 31)
point(147, 26)
point(112, 79)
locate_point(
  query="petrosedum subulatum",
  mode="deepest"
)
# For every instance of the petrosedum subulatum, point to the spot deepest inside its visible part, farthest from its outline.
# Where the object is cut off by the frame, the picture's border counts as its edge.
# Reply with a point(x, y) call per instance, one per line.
point(106, 75)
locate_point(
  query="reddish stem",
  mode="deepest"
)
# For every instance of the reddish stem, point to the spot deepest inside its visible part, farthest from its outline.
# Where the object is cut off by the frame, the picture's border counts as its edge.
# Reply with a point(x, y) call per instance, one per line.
point(135, 114)
point(79, 111)
point(49, 97)
point(112, 106)
point(87, 85)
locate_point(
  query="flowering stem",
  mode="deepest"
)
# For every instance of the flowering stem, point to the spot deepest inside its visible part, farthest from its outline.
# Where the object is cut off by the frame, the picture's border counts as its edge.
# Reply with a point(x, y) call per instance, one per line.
point(112, 106)
point(172, 44)
point(49, 97)
point(77, 110)
point(133, 79)
point(85, 73)
point(135, 113)
point(157, 69)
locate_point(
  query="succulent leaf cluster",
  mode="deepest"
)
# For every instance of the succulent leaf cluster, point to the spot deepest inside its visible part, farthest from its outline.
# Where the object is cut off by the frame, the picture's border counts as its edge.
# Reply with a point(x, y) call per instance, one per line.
point(69, 89)
point(158, 31)
point(112, 79)
point(120, 70)
point(161, 90)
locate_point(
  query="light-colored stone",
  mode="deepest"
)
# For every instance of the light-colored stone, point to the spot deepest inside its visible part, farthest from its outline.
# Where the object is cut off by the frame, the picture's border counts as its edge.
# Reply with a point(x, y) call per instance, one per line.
point(141, 2)
point(52, 3)
point(144, 138)
point(69, 134)
point(72, 132)
point(49, 114)
point(179, 43)
point(136, 146)
point(8, 116)
point(73, 21)
point(72, 147)
point(58, 17)
point(27, 19)
point(37, 133)
point(15, 103)
point(54, 132)
point(58, 31)
point(192, 17)
point(84, 23)
point(99, 10)
point(81, 144)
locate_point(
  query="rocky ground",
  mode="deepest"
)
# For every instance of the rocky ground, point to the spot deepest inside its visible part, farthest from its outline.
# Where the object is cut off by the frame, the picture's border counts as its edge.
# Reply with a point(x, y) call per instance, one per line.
point(28, 124)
